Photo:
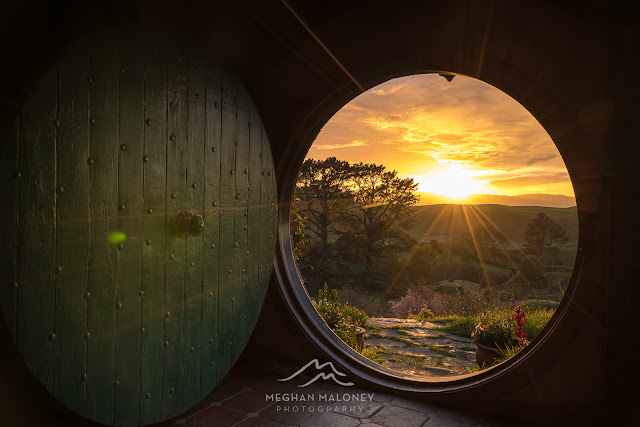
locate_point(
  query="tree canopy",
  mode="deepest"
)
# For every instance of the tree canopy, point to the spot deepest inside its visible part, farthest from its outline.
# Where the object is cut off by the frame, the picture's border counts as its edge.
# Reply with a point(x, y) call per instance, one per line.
point(544, 237)
point(366, 209)
point(322, 191)
point(376, 228)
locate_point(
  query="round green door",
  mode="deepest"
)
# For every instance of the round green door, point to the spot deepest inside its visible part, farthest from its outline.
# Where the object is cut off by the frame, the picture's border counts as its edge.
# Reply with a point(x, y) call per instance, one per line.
point(139, 215)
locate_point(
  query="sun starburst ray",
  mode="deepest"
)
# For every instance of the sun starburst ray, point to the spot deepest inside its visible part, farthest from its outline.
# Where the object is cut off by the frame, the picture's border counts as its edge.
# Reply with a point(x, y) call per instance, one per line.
point(475, 243)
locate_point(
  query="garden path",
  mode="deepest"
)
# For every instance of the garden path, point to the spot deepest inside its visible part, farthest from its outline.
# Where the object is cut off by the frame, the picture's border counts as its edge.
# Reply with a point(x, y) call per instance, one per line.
point(419, 348)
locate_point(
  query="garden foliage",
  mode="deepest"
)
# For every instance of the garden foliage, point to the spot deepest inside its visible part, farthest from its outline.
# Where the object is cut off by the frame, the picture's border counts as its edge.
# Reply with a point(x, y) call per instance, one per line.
point(494, 330)
point(342, 318)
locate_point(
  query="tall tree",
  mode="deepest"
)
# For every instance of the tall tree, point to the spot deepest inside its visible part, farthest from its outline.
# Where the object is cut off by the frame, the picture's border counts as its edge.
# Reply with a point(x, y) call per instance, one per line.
point(490, 239)
point(422, 258)
point(544, 237)
point(321, 197)
point(375, 228)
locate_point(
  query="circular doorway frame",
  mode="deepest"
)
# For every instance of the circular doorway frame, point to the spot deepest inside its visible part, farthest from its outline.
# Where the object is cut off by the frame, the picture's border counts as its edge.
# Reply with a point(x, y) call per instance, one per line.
point(291, 289)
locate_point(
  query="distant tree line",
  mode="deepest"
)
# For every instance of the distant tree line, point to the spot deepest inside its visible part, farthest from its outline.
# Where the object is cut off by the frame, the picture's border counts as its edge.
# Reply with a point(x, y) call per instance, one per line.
point(351, 224)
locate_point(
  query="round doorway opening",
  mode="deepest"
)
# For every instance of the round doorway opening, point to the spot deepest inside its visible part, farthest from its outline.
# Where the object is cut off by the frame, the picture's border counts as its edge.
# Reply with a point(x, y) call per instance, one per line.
point(434, 227)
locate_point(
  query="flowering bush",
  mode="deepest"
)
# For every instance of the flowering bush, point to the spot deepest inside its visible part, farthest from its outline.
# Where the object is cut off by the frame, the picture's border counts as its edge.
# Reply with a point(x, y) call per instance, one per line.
point(460, 302)
point(408, 304)
point(437, 304)
point(343, 319)
point(416, 300)
point(493, 331)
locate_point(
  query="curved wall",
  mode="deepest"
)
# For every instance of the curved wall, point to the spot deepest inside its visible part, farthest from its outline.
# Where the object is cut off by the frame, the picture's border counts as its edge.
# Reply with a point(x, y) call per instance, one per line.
point(570, 65)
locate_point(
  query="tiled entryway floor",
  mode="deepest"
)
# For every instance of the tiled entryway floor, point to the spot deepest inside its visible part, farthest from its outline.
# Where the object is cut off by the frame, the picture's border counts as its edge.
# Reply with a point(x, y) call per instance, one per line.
point(248, 397)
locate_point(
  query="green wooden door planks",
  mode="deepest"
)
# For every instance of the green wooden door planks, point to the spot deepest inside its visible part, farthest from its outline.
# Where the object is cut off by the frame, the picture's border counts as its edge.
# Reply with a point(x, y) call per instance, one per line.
point(121, 316)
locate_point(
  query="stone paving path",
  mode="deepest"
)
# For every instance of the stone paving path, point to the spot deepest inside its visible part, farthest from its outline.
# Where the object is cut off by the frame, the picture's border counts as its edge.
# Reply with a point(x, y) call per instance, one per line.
point(419, 347)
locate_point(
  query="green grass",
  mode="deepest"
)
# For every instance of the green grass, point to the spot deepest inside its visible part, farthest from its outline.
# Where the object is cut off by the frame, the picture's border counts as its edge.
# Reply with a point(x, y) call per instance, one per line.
point(404, 333)
point(372, 353)
point(442, 350)
point(467, 348)
point(475, 367)
point(507, 353)
point(416, 360)
point(461, 326)
point(440, 221)
point(405, 341)
point(447, 287)
point(452, 265)
point(535, 319)
point(429, 336)
point(374, 328)
point(535, 304)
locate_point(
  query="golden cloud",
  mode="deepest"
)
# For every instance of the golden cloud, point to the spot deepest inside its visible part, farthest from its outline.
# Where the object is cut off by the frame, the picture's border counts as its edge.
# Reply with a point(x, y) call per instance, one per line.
point(354, 143)
point(424, 118)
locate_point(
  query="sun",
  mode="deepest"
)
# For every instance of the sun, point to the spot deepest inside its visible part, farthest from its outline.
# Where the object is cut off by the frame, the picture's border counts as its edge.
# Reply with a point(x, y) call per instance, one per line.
point(453, 182)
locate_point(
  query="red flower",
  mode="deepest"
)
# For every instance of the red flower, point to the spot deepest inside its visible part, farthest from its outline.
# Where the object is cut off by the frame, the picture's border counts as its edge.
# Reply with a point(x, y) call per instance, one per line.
point(518, 316)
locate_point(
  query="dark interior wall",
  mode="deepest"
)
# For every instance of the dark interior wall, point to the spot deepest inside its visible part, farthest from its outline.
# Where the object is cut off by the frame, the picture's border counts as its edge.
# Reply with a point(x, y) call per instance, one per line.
point(571, 65)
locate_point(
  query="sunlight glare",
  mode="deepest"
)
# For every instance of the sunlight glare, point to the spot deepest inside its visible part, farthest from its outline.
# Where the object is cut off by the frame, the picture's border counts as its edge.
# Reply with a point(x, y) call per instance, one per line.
point(451, 181)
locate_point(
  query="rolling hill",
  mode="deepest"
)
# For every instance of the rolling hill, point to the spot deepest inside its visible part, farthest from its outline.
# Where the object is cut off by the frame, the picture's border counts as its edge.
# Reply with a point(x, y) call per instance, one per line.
point(444, 221)
point(550, 200)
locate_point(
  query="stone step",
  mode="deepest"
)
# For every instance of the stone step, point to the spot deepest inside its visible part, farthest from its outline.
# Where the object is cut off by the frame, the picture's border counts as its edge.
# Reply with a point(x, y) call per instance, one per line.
point(418, 336)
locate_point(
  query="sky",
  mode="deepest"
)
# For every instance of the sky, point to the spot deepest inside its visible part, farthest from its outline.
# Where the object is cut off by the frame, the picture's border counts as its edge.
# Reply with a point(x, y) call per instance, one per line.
point(455, 138)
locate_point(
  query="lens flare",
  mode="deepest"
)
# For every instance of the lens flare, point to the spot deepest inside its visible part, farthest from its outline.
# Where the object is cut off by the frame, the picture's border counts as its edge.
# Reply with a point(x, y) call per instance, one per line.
point(116, 237)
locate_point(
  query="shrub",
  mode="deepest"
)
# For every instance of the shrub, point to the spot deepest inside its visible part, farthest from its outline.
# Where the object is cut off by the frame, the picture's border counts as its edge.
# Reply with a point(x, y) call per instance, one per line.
point(437, 304)
point(424, 314)
point(417, 298)
point(366, 301)
point(343, 319)
point(532, 270)
point(407, 305)
point(463, 302)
